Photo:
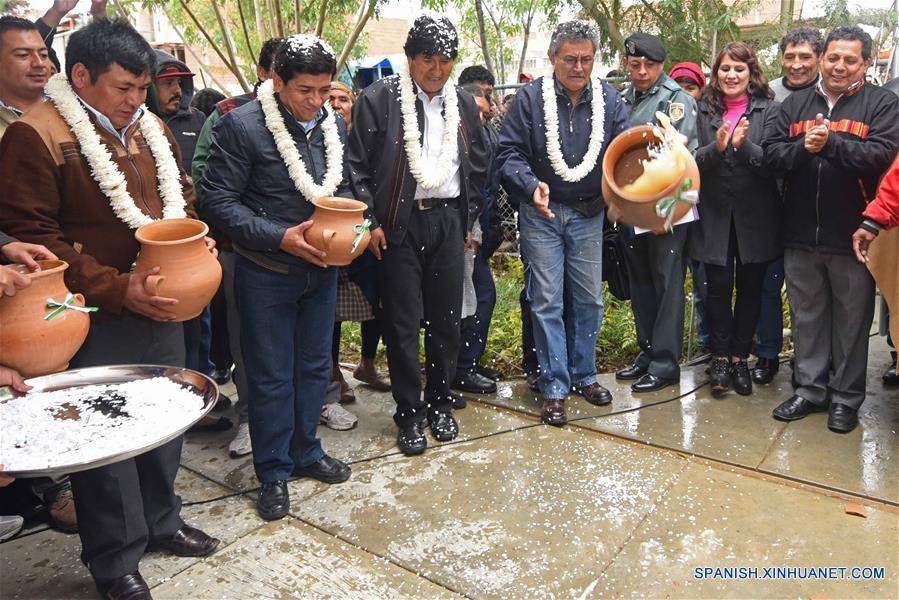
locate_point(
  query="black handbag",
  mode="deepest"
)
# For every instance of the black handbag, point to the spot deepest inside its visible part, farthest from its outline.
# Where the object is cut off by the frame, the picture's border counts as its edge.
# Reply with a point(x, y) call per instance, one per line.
point(614, 271)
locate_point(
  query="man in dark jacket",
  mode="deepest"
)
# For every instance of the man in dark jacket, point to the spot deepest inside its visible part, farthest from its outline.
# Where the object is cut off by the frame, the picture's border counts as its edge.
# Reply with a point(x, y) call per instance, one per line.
point(833, 141)
point(286, 294)
point(424, 198)
point(561, 210)
point(656, 264)
point(169, 98)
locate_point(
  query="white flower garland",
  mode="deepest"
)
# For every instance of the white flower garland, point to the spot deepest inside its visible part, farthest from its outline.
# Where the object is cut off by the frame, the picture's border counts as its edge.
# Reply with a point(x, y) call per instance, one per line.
point(429, 176)
point(105, 172)
point(287, 147)
point(551, 119)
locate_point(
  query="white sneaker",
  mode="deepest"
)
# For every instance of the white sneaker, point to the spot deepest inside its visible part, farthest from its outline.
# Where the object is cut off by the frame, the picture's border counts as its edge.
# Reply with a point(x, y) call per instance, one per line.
point(9, 526)
point(337, 417)
point(240, 445)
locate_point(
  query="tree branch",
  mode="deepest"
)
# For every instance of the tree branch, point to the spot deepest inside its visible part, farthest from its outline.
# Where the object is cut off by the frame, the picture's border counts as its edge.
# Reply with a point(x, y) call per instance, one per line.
point(209, 39)
point(229, 46)
point(320, 26)
point(354, 35)
point(482, 32)
point(246, 33)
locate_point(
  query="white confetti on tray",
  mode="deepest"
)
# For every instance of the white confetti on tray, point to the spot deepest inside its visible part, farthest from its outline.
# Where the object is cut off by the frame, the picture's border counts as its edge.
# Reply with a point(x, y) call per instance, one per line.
point(83, 424)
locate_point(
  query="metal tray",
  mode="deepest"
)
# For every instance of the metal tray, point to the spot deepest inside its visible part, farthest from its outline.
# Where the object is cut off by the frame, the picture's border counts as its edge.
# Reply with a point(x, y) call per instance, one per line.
point(200, 383)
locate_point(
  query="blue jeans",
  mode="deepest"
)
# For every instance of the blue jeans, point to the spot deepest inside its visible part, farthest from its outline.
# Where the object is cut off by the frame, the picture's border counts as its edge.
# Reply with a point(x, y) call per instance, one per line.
point(474, 339)
point(770, 330)
point(564, 256)
point(198, 343)
point(286, 324)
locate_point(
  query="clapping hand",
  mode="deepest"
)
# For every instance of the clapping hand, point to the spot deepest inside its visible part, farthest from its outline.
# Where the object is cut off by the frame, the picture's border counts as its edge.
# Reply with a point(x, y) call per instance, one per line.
point(721, 136)
point(816, 137)
point(740, 133)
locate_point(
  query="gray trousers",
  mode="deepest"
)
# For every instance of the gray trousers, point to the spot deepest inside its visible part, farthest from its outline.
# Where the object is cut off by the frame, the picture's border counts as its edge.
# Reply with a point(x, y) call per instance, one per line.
point(832, 302)
point(656, 266)
point(227, 260)
point(122, 506)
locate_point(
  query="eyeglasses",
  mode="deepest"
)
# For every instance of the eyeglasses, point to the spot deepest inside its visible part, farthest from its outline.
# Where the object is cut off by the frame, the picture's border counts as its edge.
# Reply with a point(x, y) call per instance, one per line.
point(571, 61)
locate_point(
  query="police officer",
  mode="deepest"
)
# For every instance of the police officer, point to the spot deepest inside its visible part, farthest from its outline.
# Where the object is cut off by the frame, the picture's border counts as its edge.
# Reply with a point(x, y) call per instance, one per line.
point(656, 264)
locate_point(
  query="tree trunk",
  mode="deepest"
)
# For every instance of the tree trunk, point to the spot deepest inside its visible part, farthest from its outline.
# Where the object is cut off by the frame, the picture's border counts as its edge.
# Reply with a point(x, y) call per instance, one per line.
point(279, 18)
point(786, 15)
point(296, 10)
point(229, 46)
point(354, 35)
point(320, 26)
point(482, 31)
point(246, 33)
point(527, 32)
point(260, 22)
point(192, 53)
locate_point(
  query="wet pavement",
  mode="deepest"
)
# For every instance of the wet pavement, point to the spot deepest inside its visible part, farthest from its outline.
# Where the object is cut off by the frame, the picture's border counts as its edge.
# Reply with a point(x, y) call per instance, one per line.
point(673, 494)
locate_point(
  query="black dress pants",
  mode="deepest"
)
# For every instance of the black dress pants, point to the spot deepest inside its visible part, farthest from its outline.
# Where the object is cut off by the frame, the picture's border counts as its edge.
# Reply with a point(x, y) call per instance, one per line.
point(420, 279)
point(731, 329)
point(122, 506)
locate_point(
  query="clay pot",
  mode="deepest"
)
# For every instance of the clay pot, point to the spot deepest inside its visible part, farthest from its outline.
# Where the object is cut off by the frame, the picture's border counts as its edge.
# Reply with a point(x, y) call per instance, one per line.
point(28, 343)
point(336, 222)
point(622, 165)
point(188, 272)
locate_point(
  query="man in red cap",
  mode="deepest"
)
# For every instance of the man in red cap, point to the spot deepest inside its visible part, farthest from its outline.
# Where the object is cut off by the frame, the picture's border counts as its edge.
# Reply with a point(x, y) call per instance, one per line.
point(169, 99)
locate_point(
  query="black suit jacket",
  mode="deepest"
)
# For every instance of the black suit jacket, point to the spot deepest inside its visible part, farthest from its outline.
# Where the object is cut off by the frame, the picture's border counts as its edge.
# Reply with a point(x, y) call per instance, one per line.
point(380, 170)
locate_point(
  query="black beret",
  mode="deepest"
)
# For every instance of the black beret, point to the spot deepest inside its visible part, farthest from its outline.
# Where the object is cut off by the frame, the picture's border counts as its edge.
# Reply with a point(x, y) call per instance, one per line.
point(645, 45)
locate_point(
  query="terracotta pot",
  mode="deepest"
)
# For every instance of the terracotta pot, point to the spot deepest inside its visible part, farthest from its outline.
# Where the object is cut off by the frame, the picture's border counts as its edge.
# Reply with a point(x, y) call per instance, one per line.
point(28, 343)
point(336, 222)
point(622, 165)
point(188, 272)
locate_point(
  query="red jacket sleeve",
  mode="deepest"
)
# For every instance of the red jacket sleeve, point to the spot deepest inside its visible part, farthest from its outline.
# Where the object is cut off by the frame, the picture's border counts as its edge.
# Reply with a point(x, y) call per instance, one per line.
point(885, 207)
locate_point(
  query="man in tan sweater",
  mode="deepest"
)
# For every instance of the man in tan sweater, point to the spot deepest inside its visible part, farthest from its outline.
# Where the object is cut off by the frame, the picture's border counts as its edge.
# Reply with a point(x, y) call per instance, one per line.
point(50, 196)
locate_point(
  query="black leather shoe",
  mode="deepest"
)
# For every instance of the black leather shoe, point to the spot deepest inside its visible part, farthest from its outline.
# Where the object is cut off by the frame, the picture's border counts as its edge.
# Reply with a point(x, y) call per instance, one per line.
point(554, 412)
point(489, 373)
point(222, 376)
point(632, 372)
point(796, 408)
point(411, 438)
point(458, 401)
point(274, 500)
point(127, 587)
point(327, 470)
point(470, 381)
point(890, 376)
point(651, 383)
point(764, 370)
point(187, 541)
point(595, 394)
point(443, 425)
point(720, 370)
point(741, 378)
point(842, 418)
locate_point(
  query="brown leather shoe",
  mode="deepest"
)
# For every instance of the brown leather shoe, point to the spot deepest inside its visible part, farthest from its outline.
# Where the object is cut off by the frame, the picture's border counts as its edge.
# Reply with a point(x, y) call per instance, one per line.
point(372, 377)
point(187, 541)
point(554, 412)
point(62, 511)
point(127, 587)
point(595, 394)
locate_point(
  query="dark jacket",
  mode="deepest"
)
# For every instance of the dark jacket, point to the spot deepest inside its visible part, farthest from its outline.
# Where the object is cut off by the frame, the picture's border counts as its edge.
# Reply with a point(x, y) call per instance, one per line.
point(491, 221)
point(522, 157)
point(187, 122)
point(826, 193)
point(248, 194)
point(736, 187)
point(377, 157)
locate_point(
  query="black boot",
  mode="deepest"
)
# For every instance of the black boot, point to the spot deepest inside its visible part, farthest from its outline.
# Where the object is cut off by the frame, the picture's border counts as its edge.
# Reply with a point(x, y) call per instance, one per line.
point(764, 370)
point(719, 372)
point(741, 379)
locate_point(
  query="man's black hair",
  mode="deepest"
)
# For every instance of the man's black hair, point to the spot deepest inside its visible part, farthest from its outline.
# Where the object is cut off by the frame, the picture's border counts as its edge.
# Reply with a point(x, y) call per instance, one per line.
point(852, 33)
point(106, 41)
point(267, 53)
point(304, 53)
point(206, 99)
point(475, 74)
point(11, 23)
point(474, 89)
point(430, 36)
point(803, 35)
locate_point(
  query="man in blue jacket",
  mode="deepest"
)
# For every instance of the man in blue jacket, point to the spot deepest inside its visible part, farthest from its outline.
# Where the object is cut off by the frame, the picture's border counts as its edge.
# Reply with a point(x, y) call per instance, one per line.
point(286, 294)
point(550, 157)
